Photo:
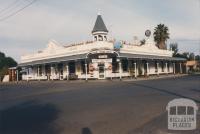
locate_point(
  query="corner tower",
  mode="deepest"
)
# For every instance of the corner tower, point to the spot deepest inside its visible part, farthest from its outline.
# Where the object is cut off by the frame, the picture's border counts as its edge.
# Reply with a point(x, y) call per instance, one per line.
point(99, 31)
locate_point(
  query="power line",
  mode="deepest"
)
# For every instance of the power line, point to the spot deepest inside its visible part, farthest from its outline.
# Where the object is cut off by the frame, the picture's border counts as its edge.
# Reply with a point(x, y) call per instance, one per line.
point(17, 11)
point(9, 6)
point(12, 8)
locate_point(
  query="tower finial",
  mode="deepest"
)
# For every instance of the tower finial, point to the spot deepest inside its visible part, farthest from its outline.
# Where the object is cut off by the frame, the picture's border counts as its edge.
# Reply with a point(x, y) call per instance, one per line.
point(99, 12)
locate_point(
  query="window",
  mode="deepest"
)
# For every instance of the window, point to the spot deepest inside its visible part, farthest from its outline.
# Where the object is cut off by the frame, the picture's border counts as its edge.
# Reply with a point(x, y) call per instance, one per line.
point(83, 67)
point(162, 65)
point(181, 110)
point(190, 110)
point(100, 38)
point(47, 69)
point(168, 66)
point(72, 67)
point(172, 110)
point(114, 65)
point(39, 70)
point(156, 67)
point(95, 38)
point(60, 68)
point(145, 67)
point(125, 65)
point(105, 38)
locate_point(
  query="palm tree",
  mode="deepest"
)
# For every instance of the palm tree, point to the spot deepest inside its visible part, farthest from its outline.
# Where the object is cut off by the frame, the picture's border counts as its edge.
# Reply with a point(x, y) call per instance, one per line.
point(161, 34)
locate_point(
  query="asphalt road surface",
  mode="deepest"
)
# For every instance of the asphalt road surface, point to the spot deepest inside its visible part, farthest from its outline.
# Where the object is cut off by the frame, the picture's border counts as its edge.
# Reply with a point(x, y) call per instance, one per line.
point(97, 107)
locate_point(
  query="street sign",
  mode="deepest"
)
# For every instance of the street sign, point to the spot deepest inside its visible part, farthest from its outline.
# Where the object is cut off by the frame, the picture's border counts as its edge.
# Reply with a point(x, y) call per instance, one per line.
point(148, 33)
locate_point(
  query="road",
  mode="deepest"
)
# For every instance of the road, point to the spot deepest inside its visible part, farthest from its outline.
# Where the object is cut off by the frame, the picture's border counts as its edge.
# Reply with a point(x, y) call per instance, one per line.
point(94, 107)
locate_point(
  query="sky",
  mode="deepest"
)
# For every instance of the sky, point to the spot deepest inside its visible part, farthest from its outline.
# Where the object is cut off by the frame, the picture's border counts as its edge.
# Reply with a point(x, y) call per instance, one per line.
point(71, 21)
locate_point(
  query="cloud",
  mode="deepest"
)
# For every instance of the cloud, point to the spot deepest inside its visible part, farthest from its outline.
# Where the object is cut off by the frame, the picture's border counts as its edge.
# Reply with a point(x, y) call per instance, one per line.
point(72, 21)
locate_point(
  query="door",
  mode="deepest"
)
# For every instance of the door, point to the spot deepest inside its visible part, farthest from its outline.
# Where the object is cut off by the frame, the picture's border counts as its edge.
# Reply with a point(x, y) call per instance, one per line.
point(101, 72)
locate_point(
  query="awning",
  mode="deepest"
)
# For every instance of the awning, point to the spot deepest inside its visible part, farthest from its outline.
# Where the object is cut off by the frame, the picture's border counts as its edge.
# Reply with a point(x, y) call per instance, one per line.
point(83, 56)
point(152, 57)
point(54, 60)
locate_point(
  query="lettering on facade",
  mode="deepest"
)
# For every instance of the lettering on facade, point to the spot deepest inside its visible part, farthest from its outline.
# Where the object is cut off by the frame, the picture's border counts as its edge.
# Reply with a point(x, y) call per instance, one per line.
point(103, 56)
point(101, 60)
point(101, 51)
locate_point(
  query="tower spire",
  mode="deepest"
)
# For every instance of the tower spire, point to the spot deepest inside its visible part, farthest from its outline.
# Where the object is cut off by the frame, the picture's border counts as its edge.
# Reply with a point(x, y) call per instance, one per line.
point(99, 25)
point(99, 31)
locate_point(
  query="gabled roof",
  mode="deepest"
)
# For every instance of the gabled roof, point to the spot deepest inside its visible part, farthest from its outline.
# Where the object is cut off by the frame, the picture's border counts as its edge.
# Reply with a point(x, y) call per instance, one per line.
point(99, 25)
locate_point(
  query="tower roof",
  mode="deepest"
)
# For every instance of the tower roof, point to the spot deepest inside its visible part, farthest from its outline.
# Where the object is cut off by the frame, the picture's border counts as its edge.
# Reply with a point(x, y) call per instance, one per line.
point(99, 25)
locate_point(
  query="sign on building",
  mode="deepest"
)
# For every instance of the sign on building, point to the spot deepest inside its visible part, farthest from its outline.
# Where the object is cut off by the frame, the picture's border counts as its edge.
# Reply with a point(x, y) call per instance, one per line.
point(101, 60)
point(103, 56)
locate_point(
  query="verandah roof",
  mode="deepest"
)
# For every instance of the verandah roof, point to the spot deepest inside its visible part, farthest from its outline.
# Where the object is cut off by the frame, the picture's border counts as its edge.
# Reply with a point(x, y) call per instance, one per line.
point(153, 57)
point(83, 56)
point(54, 60)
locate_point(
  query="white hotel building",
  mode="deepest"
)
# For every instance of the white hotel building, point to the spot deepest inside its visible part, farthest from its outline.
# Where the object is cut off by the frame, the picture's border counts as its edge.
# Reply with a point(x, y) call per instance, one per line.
point(99, 59)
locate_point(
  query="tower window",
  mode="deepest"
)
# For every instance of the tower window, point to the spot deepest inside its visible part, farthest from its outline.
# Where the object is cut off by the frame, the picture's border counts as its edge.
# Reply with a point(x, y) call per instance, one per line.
point(100, 38)
point(105, 38)
point(95, 38)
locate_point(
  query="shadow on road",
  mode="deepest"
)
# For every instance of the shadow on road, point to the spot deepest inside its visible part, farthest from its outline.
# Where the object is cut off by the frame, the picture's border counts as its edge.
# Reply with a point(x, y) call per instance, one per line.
point(86, 130)
point(29, 118)
point(165, 91)
point(195, 90)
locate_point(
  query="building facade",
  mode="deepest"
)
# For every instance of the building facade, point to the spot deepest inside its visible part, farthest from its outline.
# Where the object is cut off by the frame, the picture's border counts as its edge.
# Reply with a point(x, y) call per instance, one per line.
point(100, 58)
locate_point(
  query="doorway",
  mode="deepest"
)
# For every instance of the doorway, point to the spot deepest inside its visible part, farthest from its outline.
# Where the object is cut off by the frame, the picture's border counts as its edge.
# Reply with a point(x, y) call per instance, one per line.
point(101, 71)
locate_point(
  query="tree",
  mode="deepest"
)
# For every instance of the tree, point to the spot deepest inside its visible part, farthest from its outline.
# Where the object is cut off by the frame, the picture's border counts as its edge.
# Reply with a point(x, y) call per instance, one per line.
point(183, 55)
point(186, 55)
point(174, 48)
point(2, 55)
point(197, 57)
point(5, 63)
point(161, 34)
point(142, 42)
point(191, 56)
